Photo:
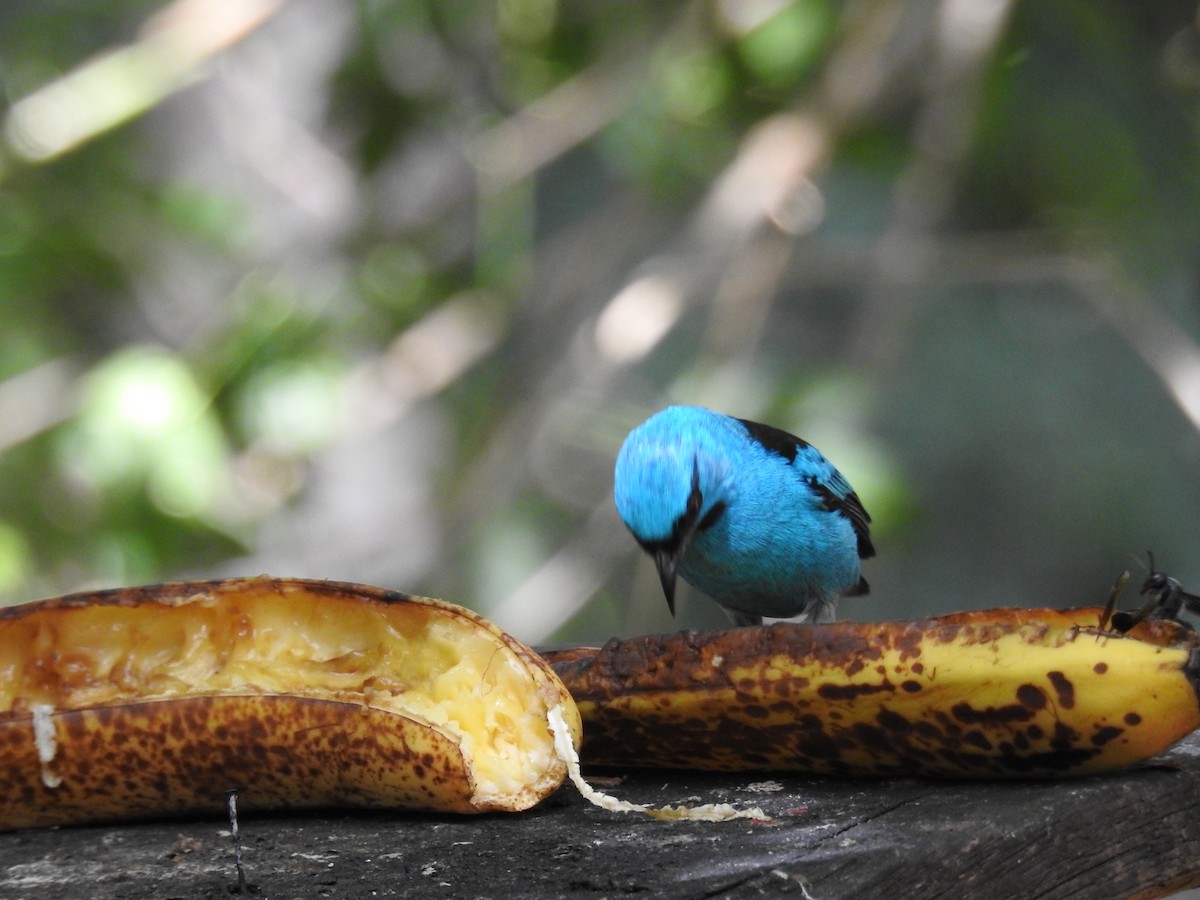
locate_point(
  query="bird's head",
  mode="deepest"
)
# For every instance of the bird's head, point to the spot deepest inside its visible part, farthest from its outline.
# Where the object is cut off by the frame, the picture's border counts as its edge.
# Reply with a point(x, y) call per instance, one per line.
point(665, 490)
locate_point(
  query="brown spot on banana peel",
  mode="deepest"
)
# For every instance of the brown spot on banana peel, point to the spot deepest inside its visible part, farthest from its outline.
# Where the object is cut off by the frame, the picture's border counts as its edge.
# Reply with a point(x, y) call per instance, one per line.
point(1063, 689)
point(987, 703)
point(850, 691)
point(1031, 697)
point(991, 715)
point(296, 693)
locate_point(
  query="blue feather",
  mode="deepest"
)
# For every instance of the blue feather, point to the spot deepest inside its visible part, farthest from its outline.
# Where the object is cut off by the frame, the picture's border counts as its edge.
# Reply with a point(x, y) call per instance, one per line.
point(753, 516)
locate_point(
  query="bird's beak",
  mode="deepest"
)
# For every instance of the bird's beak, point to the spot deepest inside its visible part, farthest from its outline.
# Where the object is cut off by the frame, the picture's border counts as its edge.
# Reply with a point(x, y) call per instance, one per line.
point(667, 563)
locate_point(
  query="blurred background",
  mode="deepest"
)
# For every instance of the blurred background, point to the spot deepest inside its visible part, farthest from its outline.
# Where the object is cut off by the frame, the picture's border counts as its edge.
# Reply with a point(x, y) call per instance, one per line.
point(374, 291)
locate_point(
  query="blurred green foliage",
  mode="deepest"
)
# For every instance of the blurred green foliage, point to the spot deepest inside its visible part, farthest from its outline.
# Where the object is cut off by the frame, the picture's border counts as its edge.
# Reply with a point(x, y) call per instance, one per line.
point(377, 291)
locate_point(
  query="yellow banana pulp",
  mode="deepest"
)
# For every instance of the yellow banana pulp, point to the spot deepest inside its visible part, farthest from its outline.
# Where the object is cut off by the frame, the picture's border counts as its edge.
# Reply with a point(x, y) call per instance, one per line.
point(1000, 693)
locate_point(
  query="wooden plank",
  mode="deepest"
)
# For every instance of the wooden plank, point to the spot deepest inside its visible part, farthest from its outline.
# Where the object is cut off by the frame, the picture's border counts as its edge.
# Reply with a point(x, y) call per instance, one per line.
point(1131, 834)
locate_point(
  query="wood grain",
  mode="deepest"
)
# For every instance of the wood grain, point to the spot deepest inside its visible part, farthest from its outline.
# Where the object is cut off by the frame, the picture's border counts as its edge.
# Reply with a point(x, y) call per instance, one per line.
point(1129, 834)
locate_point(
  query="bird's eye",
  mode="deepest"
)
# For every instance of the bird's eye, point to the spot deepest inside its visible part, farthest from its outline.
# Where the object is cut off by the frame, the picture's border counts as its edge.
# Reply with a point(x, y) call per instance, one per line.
point(695, 498)
point(710, 517)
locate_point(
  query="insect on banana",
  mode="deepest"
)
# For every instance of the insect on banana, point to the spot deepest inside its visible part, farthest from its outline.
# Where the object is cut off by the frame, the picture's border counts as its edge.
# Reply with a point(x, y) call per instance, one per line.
point(1165, 599)
point(993, 694)
point(159, 700)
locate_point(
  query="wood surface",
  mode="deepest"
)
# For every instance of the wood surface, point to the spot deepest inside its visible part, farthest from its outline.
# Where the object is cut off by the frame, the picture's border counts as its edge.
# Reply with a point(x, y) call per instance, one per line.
point(1131, 834)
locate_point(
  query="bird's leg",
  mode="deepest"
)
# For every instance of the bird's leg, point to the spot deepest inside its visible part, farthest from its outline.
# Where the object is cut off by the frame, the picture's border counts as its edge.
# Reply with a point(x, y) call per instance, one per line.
point(743, 619)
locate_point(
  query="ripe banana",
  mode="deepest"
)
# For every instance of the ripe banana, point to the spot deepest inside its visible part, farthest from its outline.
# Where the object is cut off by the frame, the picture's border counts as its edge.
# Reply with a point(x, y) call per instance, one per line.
point(993, 694)
point(157, 700)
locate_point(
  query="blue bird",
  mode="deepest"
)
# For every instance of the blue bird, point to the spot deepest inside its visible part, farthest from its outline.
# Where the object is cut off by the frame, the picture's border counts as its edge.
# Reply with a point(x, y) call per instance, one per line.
point(753, 516)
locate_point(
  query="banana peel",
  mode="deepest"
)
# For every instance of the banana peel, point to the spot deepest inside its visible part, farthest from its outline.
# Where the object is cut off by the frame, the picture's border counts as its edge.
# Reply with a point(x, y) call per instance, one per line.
point(993, 694)
point(153, 701)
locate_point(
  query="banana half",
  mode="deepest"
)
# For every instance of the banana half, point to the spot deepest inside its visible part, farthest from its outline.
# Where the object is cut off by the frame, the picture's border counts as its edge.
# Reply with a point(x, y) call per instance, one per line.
point(157, 700)
point(993, 694)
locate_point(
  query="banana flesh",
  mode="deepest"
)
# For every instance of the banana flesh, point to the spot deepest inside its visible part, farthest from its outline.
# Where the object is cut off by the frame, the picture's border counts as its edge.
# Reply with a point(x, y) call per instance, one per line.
point(994, 694)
